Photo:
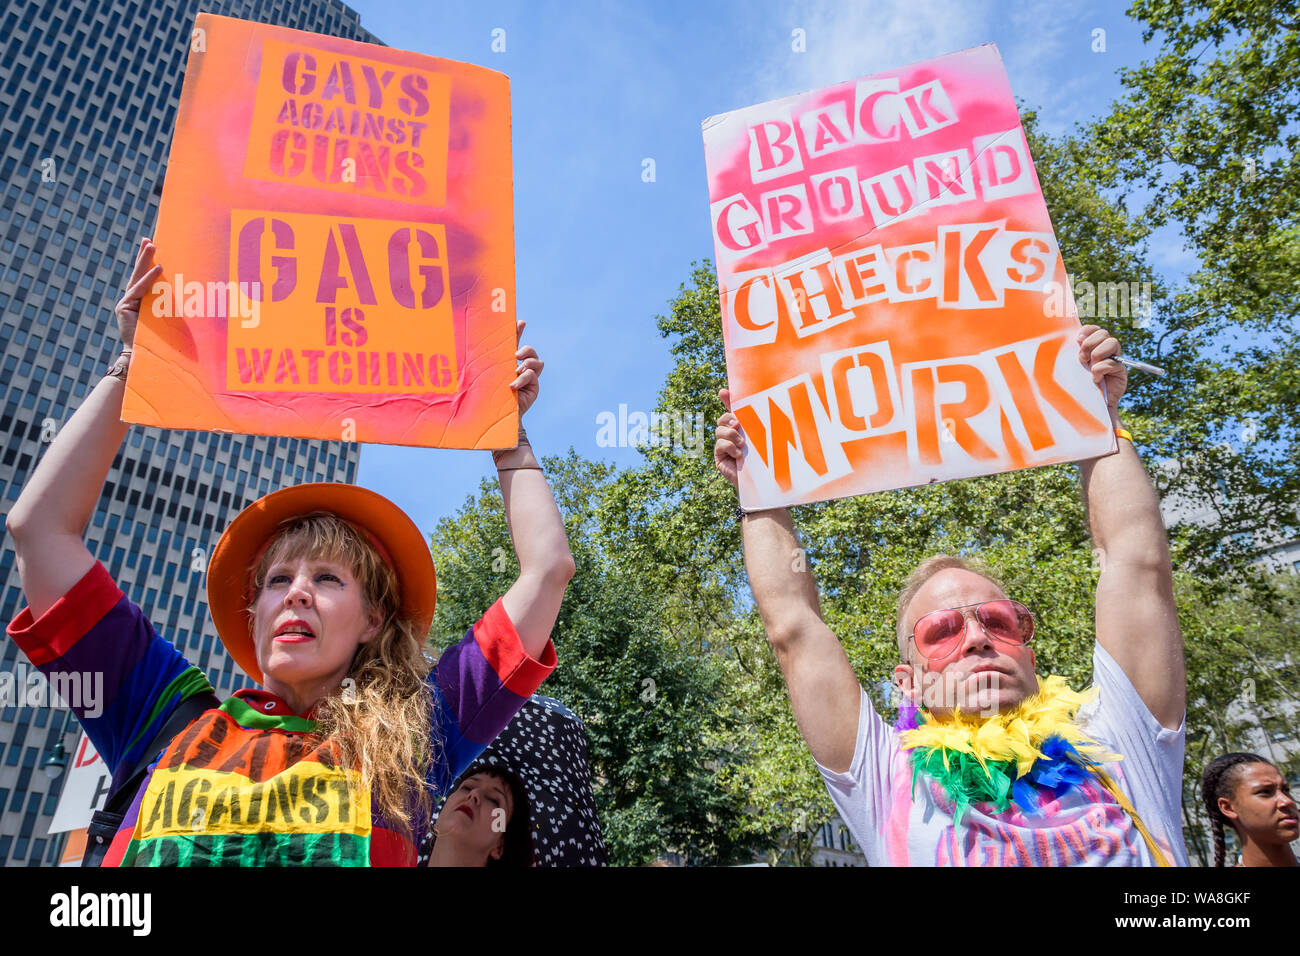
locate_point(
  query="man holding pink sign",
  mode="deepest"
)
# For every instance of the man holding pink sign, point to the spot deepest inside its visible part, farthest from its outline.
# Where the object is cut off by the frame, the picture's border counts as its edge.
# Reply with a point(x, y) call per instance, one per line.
point(890, 286)
point(988, 764)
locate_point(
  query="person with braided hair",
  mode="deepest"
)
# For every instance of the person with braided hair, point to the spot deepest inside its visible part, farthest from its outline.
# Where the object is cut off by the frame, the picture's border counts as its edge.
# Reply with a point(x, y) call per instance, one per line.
point(1249, 794)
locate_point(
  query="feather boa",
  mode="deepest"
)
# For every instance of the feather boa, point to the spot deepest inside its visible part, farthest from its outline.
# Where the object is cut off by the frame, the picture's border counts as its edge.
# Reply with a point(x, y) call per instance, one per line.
point(1001, 759)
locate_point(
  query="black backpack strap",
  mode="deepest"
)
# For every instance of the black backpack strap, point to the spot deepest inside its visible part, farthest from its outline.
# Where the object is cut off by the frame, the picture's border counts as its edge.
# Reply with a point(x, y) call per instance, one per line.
point(105, 823)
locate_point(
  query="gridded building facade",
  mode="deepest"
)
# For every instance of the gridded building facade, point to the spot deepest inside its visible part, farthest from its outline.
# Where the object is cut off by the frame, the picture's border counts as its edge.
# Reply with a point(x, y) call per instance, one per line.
point(88, 97)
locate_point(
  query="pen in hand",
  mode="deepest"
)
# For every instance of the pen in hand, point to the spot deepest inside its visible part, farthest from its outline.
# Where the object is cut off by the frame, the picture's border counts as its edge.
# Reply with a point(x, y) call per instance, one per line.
point(1141, 366)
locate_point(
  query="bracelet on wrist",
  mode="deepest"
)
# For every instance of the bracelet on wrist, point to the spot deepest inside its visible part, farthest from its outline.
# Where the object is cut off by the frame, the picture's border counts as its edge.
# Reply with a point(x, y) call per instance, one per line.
point(1124, 433)
point(742, 513)
point(118, 369)
point(523, 440)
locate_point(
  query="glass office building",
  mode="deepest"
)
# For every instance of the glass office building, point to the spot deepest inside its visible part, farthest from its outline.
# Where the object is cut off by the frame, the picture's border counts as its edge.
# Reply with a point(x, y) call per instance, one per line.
point(88, 97)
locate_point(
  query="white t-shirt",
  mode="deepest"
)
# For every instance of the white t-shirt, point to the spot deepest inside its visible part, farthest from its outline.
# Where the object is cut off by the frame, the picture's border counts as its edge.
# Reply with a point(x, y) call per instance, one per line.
point(1085, 827)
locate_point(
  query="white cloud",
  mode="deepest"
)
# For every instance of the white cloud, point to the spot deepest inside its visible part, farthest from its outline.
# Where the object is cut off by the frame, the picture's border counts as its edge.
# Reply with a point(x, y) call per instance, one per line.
point(845, 41)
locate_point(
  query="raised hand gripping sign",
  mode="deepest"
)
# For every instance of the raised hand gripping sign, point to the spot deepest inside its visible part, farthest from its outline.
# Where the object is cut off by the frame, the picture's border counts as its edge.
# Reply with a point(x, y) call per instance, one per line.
point(893, 298)
point(337, 241)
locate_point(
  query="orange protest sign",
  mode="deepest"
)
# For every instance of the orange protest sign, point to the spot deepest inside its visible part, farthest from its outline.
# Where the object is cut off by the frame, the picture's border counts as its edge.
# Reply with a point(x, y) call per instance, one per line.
point(893, 298)
point(337, 240)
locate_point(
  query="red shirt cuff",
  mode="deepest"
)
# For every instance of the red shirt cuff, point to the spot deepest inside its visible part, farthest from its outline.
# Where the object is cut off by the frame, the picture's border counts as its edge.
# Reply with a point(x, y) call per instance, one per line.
point(71, 617)
point(504, 651)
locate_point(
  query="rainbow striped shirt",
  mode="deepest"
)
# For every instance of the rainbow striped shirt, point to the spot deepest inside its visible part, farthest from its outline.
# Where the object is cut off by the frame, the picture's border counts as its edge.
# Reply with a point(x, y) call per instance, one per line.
point(899, 821)
point(243, 785)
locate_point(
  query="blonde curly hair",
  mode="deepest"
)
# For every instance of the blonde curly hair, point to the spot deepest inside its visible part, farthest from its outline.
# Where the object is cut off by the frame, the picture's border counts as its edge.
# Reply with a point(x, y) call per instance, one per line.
point(378, 720)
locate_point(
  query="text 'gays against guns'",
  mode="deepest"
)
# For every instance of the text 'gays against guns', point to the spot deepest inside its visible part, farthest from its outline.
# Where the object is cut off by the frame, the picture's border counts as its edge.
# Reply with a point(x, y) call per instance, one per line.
point(339, 233)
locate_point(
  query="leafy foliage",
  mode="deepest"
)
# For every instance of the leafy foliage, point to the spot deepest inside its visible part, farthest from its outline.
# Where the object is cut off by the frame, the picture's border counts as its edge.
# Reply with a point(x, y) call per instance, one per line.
point(651, 708)
point(712, 766)
point(1205, 141)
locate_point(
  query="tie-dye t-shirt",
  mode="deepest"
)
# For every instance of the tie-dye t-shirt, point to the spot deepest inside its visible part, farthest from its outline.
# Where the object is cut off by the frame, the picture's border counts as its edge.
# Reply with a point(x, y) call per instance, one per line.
point(242, 785)
point(896, 825)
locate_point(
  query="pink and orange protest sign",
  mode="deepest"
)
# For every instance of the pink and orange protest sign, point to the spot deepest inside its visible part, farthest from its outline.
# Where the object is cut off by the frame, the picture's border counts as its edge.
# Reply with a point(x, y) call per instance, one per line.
point(892, 293)
point(337, 241)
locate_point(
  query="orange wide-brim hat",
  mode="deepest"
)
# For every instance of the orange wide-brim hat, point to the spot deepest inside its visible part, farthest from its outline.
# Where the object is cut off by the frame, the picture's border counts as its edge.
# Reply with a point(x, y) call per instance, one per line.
point(396, 538)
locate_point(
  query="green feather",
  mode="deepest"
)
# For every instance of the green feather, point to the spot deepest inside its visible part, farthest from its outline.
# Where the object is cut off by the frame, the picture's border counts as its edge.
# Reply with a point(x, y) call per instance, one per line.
point(963, 779)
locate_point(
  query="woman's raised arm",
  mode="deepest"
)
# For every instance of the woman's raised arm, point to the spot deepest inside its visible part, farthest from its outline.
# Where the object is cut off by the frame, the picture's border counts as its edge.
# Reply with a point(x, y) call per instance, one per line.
point(47, 521)
point(536, 528)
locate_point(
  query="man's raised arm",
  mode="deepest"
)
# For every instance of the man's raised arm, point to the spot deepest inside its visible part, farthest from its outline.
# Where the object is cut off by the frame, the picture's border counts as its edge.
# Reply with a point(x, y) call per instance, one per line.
point(1137, 622)
point(824, 691)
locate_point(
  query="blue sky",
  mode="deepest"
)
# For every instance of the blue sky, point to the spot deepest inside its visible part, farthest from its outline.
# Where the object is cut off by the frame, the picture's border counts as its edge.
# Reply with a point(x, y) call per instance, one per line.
point(598, 88)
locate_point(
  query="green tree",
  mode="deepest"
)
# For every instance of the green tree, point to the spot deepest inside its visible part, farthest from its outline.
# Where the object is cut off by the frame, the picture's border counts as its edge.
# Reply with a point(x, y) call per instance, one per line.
point(1204, 143)
point(674, 516)
point(1243, 681)
point(651, 708)
point(661, 587)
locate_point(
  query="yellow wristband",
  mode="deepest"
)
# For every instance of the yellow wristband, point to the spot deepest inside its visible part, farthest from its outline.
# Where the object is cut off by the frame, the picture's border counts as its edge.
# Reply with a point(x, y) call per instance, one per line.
point(1124, 433)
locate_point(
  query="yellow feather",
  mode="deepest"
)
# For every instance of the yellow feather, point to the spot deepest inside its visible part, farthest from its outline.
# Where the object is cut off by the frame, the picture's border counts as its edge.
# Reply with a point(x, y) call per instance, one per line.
point(1015, 735)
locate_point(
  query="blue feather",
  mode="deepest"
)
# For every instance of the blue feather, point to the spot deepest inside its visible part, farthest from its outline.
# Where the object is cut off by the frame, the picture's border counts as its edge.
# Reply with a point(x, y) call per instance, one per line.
point(1023, 794)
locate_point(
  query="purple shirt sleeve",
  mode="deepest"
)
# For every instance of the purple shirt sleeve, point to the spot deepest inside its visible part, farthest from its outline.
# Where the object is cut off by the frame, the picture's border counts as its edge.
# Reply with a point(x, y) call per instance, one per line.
point(120, 678)
point(477, 686)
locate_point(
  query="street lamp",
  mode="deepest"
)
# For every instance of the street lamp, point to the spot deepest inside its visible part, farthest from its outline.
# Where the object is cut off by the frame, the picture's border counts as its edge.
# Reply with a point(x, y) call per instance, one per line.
point(56, 761)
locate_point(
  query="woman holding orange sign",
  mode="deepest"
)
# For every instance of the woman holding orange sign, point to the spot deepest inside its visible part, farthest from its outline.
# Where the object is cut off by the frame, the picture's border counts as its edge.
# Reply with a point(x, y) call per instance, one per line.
point(324, 594)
